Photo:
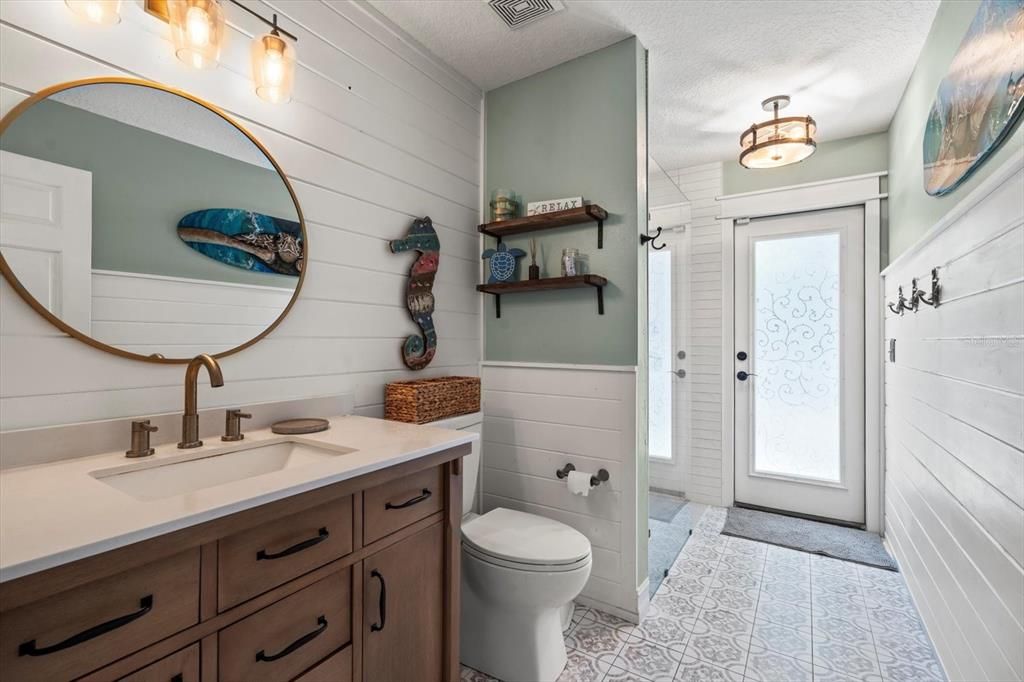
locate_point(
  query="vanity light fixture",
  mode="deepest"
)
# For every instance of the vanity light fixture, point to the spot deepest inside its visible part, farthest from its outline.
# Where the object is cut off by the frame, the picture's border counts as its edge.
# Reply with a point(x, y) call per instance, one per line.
point(197, 29)
point(104, 12)
point(273, 62)
point(778, 141)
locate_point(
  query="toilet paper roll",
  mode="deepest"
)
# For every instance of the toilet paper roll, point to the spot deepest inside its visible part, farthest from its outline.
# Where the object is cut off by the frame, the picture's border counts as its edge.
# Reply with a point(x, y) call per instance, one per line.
point(579, 482)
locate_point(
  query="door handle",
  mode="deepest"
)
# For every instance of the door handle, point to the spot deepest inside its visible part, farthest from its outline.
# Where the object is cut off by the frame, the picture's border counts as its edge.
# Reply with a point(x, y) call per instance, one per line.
point(742, 376)
point(382, 607)
point(681, 373)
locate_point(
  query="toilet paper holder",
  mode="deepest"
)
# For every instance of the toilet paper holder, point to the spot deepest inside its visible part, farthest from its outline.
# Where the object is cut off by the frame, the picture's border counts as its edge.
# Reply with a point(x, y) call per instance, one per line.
point(601, 477)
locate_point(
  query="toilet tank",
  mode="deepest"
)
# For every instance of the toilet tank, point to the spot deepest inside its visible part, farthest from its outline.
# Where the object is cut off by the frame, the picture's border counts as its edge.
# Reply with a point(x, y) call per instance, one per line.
point(471, 462)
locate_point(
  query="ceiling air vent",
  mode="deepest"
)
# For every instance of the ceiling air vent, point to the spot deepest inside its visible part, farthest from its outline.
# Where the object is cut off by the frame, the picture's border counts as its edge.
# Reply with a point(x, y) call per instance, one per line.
point(518, 13)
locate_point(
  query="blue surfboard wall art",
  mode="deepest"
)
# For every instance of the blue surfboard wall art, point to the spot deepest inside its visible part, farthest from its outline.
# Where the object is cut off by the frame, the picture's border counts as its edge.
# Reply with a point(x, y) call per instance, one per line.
point(245, 239)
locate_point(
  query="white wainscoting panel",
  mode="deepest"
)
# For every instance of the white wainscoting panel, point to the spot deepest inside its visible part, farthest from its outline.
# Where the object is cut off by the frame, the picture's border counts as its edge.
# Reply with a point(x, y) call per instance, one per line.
point(699, 428)
point(378, 132)
point(954, 434)
point(154, 314)
point(537, 419)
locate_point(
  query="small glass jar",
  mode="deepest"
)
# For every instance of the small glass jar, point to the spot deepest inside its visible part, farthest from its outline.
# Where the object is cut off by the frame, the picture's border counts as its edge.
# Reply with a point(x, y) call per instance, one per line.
point(570, 262)
point(504, 205)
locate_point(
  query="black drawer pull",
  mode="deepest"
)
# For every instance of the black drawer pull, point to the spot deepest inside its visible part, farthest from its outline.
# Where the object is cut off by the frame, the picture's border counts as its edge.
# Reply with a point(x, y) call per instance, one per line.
point(178, 678)
point(408, 503)
point(383, 607)
point(305, 544)
point(297, 644)
point(29, 648)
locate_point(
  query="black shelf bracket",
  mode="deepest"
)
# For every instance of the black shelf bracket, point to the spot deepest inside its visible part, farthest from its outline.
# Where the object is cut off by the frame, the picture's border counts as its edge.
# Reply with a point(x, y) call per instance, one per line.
point(600, 300)
point(600, 234)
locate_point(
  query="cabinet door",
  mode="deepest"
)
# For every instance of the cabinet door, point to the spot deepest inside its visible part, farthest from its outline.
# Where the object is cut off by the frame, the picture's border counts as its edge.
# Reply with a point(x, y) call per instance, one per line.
point(403, 591)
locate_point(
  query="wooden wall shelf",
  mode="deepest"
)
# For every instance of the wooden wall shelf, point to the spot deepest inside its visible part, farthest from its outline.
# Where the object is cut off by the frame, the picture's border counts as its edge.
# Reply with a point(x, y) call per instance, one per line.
point(546, 284)
point(548, 221)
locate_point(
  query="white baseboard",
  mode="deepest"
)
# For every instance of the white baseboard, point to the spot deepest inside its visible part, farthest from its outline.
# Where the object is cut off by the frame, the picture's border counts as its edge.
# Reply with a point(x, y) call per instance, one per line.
point(608, 608)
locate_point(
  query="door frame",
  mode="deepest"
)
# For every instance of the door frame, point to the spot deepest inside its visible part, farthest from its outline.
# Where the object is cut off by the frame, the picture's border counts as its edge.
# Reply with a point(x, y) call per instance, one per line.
point(858, 190)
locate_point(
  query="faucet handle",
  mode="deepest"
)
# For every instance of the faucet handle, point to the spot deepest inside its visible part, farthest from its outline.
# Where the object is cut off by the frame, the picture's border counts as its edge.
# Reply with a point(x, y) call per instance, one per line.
point(140, 439)
point(233, 425)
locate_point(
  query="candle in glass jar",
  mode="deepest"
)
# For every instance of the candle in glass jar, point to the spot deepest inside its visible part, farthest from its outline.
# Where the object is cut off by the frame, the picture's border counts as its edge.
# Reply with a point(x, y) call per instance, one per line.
point(570, 262)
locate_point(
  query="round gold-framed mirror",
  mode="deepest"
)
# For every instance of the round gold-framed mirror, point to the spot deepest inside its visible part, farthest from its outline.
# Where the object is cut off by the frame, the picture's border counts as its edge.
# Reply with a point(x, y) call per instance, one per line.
point(145, 222)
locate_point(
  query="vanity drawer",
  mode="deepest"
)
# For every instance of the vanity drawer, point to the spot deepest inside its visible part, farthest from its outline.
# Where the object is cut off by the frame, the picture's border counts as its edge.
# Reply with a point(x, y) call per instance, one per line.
point(337, 668)
point(291, 635)
point(181, 666)
point(398, 503)
point(256, 560)
point(79, 630)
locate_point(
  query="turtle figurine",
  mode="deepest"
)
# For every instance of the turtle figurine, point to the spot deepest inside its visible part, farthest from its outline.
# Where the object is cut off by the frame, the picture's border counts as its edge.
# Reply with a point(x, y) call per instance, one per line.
point(503, 262)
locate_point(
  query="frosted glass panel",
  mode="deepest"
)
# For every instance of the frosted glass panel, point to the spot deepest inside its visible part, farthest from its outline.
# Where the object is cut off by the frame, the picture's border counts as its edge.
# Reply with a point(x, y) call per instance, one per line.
point(659, 306)
point(796, 357)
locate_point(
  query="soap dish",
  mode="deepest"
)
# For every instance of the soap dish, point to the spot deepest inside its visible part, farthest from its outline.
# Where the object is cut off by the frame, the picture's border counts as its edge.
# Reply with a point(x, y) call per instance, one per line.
point(297, 426)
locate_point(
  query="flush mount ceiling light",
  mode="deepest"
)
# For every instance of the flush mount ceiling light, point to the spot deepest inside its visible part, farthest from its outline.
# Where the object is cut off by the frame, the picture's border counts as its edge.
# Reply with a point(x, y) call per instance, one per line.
point(96, 11)
point(779, 141)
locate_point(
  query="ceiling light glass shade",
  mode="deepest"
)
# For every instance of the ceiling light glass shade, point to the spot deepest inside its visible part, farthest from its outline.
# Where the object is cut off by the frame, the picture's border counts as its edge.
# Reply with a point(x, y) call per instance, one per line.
point(273, 67)
point(96, 11)
point(197, 29)
point(779, 141)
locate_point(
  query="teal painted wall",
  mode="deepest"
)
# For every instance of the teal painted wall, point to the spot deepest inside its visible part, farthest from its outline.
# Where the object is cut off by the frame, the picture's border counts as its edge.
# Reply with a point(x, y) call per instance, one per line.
point(912, 211)
point(835, 159)
point(571, 131)
point(142, 184)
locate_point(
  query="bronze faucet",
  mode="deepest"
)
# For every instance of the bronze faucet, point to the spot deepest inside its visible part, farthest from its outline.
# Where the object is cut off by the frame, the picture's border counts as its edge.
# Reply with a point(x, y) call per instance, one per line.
point(190, 420)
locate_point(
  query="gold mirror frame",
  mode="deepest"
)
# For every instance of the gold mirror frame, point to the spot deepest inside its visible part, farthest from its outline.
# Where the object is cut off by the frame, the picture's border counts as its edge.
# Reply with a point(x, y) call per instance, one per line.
point(9, 275)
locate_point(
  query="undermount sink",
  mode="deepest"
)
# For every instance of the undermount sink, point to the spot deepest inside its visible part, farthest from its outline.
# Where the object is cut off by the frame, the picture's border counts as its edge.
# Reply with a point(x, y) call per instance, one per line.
point(158, 479)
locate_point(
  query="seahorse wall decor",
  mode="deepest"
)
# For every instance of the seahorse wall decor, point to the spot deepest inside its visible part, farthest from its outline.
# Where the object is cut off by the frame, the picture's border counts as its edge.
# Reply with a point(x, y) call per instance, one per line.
point(418, 350)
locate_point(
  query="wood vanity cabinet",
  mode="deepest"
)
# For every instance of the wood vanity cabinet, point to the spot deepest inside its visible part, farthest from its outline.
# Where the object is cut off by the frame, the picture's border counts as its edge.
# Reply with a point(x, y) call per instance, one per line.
point(357, 581)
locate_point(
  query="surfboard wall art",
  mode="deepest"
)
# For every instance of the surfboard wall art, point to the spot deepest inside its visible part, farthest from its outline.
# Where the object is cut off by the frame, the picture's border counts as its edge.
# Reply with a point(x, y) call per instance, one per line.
point(980, 99)
point(245, 239)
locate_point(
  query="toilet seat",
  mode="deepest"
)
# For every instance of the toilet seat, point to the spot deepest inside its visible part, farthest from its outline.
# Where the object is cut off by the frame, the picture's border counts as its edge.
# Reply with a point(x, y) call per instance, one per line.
point(527, 542)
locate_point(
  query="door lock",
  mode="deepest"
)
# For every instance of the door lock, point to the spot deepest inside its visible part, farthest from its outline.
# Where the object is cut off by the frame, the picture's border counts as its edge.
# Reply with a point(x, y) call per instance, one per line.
point(742, 355)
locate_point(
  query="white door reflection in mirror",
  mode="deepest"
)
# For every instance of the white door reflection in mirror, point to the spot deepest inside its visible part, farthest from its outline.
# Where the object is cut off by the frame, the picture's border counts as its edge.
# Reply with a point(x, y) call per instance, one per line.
point(46, 234)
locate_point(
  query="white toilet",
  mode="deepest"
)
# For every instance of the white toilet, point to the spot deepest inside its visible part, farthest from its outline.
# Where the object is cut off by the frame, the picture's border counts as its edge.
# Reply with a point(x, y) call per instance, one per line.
point(520, 573)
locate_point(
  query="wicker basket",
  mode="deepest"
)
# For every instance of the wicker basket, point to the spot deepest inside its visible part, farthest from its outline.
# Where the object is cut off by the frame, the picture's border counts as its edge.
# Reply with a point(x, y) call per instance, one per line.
point(428, 400)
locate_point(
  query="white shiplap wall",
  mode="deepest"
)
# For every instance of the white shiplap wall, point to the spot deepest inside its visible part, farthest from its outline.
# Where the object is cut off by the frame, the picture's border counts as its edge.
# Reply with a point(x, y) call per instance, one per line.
point(176, 316)
point(537, 419)
point(378, 132)
point(703, 471)
point(954, 434)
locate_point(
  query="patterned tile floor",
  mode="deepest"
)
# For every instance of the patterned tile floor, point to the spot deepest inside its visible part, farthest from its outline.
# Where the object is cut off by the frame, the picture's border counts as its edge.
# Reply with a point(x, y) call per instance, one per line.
point(733, 610)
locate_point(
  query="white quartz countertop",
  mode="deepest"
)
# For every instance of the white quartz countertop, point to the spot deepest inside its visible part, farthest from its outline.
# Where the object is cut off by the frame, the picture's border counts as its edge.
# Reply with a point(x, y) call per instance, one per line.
point(52, 514)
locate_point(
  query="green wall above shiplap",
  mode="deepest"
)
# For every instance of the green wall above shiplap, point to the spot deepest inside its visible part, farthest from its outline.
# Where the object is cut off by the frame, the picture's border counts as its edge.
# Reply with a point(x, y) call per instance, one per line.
point(911, 210)
point(835, 159)
point(571, 131)
point(143, 183)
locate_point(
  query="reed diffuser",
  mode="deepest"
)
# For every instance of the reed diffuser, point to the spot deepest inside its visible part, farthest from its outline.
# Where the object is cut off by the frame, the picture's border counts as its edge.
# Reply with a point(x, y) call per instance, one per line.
point(534, 268)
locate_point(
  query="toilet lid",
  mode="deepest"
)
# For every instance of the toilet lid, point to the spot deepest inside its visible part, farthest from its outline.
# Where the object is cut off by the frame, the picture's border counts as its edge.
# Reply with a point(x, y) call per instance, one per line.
point(525, 538)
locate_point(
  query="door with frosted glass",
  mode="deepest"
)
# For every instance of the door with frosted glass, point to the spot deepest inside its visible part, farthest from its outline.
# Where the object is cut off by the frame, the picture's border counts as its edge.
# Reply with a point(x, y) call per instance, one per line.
point(799, 364)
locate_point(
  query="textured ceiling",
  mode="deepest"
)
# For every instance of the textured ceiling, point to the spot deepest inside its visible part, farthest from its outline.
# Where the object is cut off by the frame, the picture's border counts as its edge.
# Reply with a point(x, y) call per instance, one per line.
point(711, 61)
